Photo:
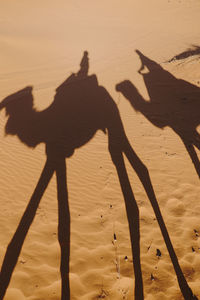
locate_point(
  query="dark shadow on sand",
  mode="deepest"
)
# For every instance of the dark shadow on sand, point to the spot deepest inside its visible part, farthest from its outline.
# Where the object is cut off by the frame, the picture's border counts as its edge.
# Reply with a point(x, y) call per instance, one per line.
point(195, 50)
point(80, 107)
point(174, 103)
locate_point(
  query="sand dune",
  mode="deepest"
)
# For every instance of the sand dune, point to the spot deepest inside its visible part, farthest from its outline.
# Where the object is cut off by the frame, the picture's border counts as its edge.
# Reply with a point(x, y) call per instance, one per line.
point(42, 44)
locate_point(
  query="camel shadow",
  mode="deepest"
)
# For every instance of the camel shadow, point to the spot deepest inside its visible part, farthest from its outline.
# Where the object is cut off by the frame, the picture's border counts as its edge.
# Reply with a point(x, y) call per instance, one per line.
point(80, 108)
point(173, 102)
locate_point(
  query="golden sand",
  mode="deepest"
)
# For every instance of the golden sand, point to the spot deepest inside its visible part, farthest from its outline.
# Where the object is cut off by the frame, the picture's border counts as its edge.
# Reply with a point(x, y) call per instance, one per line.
point(42, 44)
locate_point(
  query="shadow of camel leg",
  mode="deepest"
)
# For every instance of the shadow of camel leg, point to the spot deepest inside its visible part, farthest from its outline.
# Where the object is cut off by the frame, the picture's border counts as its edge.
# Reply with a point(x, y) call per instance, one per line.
point(193, 155)
point(63, 227)
point(144, 177)
point(132, 215)
point(15, 245)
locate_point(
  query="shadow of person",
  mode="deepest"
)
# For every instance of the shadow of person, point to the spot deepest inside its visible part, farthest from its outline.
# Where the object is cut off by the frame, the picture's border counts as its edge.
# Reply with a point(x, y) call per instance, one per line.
point(173, 102)
point(80, 107)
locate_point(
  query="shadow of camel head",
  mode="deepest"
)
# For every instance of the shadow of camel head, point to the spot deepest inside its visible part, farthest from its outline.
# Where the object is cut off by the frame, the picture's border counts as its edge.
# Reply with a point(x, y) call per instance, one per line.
point(24, 100)
point(78, 110)
point(21, 101)
point(126, 88)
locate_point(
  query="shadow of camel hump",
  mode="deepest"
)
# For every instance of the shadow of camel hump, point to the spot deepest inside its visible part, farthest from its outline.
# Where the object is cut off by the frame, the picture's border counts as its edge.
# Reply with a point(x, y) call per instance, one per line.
point(172, 102)
point(68, 123)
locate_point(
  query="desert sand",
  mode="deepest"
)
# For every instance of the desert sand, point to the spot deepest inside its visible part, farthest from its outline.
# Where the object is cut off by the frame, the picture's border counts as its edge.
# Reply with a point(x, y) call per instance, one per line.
point(42, 44)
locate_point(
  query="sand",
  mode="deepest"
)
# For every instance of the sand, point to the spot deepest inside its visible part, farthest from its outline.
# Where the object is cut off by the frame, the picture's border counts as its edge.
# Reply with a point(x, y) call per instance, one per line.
point(42, 44)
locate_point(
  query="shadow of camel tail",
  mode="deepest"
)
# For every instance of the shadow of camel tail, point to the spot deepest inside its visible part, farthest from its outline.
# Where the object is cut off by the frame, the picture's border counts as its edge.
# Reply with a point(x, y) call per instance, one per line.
point(15, 245)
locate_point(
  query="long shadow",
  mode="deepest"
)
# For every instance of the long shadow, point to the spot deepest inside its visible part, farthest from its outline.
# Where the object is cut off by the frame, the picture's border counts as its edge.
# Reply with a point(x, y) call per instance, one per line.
point(194, 50)
point(80, 107)
point(174, 103)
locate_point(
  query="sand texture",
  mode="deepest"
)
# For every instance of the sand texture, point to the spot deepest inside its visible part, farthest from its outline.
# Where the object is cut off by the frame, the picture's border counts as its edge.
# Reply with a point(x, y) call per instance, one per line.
point(99, 129)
